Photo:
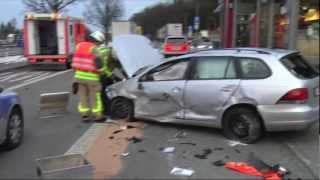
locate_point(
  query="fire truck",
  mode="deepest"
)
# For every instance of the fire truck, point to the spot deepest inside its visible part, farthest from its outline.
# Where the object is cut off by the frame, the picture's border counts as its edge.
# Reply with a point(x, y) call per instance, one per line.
point(51, 38)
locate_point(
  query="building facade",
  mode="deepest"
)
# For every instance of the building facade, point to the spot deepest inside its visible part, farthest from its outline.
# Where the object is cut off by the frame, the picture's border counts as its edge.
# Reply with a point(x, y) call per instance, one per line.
point(288, 24)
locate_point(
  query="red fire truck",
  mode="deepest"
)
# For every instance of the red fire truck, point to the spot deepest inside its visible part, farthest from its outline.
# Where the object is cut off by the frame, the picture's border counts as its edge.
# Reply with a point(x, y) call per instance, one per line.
point(52, 38)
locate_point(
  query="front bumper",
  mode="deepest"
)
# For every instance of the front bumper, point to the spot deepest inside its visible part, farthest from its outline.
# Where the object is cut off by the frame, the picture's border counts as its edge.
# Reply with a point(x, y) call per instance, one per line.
point(288, 117)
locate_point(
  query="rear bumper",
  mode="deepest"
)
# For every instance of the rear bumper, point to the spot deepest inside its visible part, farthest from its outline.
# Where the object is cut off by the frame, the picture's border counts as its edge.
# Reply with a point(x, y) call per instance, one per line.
point(48, 59)
point(288, 117)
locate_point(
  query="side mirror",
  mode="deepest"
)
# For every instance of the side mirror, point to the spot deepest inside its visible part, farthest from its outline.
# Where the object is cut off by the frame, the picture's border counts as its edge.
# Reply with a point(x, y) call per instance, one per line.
point(1, 89)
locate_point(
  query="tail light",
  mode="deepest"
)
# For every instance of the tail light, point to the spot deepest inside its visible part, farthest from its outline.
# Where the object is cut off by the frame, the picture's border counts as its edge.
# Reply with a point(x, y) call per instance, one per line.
point(299, 96)
point(168, 47)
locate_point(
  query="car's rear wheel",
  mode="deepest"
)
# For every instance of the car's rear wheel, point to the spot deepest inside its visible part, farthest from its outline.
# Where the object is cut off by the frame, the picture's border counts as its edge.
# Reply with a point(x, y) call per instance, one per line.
point(122, 108)
point(15, 127)
point(242, 124)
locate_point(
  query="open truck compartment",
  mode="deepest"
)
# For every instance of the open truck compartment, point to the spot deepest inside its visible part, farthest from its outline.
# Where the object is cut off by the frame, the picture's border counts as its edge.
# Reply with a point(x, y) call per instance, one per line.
point(51, 38)
point(47, 38)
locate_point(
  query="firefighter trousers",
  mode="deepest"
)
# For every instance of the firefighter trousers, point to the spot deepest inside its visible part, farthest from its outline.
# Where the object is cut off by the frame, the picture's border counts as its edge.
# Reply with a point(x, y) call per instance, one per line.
point(90, 98)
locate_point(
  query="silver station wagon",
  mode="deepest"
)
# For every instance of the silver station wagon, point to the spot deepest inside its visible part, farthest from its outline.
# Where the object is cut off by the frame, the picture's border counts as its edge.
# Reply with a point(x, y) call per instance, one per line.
point(245, 91)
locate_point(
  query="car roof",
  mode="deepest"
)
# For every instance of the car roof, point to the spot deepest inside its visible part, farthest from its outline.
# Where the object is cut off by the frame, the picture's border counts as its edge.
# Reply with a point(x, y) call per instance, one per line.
point(257, 52)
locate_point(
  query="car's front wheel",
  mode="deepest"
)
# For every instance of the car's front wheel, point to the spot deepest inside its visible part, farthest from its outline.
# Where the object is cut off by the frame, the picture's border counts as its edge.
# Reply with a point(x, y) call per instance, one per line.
point(242, 124)
point(14, 134)
point(122, 108)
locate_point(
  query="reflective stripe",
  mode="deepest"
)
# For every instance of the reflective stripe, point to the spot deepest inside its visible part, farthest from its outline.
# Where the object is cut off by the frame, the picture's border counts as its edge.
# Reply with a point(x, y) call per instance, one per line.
point(98, 109)
point(83, 58)
point(83, 109)
point(81, 75)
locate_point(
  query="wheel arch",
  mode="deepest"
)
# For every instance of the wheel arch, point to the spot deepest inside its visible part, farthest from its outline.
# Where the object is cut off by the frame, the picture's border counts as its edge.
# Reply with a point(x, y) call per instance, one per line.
point(243, 105)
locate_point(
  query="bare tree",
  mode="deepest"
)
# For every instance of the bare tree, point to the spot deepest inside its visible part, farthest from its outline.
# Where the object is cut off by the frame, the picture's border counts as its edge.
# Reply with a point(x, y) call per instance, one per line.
point(101, 13)
point(47, 6)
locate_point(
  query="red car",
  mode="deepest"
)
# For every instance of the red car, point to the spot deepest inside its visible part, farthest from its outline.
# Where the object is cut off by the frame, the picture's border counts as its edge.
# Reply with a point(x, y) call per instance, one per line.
point(176, 45)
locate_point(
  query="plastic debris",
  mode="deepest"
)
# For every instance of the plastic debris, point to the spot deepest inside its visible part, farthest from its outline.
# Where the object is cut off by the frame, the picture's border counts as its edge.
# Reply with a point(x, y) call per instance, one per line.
point(236, 143)
point(182, 172)
point(219, 163)
point(169, 150)
point(125, 154)
point(180, 134)
point(135, 139)
point(204, 154)
point(123, 127)
point(117, 131)
point(188, 143)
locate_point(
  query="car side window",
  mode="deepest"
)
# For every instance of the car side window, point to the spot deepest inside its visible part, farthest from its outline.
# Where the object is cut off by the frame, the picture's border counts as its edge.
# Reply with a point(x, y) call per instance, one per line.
point(214, 68)
point(167, 72)
point(254, 69)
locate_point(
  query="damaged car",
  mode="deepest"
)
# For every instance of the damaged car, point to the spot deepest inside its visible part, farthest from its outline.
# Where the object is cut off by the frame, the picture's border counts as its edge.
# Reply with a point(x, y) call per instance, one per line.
point(244, 91)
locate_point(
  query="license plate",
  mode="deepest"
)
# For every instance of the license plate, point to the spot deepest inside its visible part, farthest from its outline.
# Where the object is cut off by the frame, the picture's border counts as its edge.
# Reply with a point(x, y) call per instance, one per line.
point(316, 91)
point(176, 48)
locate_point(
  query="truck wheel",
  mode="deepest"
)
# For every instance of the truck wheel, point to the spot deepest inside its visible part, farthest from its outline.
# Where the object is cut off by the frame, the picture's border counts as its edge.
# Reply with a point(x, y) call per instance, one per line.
point(14, 134)
point(122, 108)
point(242, 124)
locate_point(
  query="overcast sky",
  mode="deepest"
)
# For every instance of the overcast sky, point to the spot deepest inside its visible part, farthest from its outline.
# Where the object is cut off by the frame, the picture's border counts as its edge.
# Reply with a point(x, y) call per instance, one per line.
point(14, 9)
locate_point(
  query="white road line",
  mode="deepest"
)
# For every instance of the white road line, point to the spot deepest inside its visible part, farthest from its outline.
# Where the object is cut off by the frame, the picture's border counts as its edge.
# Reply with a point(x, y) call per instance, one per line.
point(37, 77)
point(5, 74)
point(37, 80)
point(31, 75)
point(83, 144)
point(12, 76)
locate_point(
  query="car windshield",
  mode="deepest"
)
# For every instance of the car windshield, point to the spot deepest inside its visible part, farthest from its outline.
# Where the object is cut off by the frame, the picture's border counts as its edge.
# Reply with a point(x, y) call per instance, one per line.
point(176, 40)
point(299, 67)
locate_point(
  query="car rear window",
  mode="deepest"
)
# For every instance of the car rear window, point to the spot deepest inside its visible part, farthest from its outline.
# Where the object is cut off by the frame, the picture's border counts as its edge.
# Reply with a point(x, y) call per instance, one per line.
point(299, 67)
point(176, 40)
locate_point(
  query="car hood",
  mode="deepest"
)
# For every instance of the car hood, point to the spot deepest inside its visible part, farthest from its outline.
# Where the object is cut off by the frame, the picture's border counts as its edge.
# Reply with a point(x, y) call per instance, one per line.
point(135, 52)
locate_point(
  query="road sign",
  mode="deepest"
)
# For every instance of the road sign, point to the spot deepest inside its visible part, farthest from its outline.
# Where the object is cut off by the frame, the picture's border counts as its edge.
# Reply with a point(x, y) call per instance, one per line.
point(196, 22)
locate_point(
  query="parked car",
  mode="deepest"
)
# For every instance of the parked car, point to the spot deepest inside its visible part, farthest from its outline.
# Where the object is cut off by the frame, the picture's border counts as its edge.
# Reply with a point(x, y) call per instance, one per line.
point(244, 91)
point(11, 120)
point(176, 45)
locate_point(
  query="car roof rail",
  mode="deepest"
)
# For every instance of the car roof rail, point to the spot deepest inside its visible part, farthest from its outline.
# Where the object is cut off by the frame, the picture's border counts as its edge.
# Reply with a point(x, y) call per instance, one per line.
point(260, 51)
point(238, 50)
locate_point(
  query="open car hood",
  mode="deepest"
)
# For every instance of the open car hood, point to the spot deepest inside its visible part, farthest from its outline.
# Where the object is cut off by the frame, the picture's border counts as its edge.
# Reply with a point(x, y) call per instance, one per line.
point(135, 52)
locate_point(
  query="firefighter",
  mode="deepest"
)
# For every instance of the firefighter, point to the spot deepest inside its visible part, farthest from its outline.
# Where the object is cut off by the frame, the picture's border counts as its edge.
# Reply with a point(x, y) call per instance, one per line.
point(106, 75)
point(88, 67)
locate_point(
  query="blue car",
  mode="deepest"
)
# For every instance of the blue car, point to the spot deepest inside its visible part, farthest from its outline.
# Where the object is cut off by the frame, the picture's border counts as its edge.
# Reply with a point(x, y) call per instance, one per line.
point(11, 120)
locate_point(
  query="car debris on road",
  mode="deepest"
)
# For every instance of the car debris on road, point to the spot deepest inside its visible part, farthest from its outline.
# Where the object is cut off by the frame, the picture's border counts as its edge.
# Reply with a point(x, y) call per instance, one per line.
point(169, 149)
point(182, 172)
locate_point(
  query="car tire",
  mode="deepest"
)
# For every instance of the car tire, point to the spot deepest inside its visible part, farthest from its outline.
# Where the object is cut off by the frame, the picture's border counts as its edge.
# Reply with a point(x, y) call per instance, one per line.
point(15, 128)
point(242, 124)
point(122, 108)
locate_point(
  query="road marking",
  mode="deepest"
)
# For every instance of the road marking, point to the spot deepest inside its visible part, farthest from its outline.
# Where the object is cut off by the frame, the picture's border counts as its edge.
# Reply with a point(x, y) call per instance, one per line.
point(12, 76)
point(26, 77)
point(5, 74)
point(37, 80)
point(83, 144)
point(37, 77)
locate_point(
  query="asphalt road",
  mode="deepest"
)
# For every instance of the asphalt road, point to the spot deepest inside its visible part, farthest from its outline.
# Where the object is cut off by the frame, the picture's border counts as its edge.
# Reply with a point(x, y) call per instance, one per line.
point(43, 137)
point(146, 161)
